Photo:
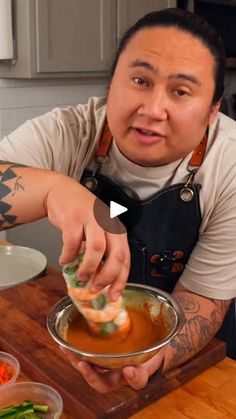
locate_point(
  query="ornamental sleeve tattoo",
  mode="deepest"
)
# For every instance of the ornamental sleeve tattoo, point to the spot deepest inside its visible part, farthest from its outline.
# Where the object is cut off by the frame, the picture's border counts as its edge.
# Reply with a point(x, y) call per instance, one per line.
point(10, 184)
point(203, 318)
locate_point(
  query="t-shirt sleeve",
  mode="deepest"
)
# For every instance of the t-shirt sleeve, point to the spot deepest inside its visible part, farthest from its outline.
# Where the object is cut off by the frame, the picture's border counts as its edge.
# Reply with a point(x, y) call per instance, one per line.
point(63, 139)
point(46, 142)
point(211, 269)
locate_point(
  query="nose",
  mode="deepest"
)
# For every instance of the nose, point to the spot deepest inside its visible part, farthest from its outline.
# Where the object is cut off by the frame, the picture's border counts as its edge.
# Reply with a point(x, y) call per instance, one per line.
point(154, 105)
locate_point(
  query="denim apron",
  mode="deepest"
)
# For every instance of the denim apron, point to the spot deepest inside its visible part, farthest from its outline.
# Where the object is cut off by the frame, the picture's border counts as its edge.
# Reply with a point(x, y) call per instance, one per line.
point(162, 229)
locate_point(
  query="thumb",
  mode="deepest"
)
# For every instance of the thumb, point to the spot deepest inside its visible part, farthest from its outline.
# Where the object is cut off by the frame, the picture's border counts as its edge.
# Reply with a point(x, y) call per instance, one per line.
point(136, 377)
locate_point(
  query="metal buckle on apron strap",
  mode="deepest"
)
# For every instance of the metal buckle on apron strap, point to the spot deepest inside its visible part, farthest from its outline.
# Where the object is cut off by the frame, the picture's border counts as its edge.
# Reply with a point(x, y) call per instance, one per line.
point(91, 182)
point(187, 192)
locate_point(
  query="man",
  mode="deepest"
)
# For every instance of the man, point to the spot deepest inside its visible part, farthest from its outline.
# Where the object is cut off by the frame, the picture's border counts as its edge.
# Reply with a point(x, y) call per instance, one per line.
point(169, 147)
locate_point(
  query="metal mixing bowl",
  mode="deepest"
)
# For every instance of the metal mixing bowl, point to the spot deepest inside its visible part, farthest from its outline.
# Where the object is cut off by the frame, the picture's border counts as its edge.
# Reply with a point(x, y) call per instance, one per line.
point(134, 295)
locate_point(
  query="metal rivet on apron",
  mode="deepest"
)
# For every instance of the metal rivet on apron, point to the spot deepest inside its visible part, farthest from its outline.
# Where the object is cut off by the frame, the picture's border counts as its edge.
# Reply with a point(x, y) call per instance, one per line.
point(91, 183)
point(186, 194)
point(154, 273)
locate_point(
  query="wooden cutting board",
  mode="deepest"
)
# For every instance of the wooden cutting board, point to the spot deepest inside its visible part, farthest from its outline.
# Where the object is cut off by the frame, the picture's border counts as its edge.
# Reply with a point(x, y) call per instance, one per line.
point(23, 333)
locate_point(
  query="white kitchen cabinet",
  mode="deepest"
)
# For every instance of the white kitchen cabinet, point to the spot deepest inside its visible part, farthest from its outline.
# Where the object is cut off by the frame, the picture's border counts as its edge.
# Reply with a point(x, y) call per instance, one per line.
point(74, 35)
point(61, 38)
point(129, 11)
point(70, 38)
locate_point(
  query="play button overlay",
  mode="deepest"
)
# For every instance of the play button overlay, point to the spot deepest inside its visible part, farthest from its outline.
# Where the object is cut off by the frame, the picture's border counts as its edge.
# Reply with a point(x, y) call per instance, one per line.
point(116, 209)
point(107, 216)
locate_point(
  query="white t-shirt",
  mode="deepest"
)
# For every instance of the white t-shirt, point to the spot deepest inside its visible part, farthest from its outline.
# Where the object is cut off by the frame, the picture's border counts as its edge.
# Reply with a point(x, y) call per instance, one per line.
point(65, 140)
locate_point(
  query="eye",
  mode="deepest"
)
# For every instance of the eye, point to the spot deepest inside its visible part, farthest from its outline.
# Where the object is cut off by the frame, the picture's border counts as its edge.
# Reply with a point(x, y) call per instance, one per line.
point(180, 92)
point(140, 81)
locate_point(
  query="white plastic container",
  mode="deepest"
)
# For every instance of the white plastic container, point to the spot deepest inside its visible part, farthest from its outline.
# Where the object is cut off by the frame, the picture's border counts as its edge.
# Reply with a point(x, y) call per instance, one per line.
point(37, 393)
point(12, 362)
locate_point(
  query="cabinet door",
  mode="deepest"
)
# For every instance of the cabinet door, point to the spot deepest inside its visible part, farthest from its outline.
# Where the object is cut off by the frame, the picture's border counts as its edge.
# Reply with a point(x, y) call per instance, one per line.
point(74, 35)
point(129, 11)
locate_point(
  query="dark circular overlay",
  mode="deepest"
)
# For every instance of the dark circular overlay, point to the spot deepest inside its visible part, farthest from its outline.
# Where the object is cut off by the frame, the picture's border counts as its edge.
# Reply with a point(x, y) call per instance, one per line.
point(102, 216)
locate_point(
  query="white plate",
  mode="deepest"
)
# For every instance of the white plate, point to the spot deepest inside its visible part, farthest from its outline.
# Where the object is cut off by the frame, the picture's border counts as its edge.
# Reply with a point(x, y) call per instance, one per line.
point(19, 264)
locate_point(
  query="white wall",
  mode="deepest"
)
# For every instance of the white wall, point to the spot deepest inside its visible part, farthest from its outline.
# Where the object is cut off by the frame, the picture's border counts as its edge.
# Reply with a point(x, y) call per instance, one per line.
point(22, 100)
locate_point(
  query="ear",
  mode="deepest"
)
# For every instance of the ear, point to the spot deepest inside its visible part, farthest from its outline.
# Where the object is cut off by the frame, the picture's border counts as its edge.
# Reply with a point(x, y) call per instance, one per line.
point(214, 111)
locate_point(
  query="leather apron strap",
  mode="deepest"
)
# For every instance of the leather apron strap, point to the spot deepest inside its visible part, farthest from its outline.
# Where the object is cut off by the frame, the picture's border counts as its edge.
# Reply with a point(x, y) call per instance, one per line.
point(106, 140)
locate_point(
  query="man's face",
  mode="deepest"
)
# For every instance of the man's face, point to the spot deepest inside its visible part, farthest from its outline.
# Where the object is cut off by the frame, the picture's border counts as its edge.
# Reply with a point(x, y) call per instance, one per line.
point(160, 98)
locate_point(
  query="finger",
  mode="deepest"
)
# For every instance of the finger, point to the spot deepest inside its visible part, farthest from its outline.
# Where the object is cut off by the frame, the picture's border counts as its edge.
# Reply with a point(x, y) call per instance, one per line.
point(70, 356)
point(103, 383)
point(154, 363)
point(95, 249)
point(72, 239)
point(115, 268)
point(118, 285)
point(136, 377)
point(83, 246)
point(110, 272)
point(101, 370)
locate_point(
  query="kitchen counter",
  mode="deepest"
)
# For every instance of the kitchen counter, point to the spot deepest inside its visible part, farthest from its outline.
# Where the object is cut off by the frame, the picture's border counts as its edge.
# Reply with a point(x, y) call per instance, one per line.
point(23, 333)
point(210, 395)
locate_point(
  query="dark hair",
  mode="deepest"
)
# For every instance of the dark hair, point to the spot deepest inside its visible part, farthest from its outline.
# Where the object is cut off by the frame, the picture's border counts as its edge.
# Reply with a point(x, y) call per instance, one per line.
point(188, 22)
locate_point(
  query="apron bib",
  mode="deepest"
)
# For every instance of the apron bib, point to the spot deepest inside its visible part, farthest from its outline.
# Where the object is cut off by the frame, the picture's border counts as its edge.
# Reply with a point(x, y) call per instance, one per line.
point(162, 229)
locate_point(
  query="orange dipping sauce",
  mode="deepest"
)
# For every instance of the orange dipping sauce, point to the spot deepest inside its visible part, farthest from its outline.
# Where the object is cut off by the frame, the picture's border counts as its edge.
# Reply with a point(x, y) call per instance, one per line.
point(144, 332)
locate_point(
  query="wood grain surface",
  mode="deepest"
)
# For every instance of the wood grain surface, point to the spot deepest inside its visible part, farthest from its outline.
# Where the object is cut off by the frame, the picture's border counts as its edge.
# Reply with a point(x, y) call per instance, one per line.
point(23, 333)
point(211, 394)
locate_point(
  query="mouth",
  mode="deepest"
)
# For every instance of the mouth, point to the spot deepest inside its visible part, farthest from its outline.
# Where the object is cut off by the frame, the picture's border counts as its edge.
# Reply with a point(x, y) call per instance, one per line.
point(147, 136)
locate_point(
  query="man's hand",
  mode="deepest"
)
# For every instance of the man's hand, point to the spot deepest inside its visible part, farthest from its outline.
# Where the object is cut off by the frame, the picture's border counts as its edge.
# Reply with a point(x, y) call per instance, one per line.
point(29, 194)
point(70, 207)
point(105, 381)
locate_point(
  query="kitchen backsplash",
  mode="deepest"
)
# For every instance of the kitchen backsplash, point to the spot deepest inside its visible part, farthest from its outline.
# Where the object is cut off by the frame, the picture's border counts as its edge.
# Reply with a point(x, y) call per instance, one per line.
point(20, 101)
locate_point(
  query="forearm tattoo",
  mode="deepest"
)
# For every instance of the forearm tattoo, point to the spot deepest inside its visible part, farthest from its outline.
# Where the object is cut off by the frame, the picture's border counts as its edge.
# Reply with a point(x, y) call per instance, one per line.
point(10, 183)
point(197, 330)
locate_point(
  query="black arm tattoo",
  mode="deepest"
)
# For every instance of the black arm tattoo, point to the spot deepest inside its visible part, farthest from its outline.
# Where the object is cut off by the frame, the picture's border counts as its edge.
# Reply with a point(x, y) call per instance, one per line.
point(8, 220)
point(197, 330)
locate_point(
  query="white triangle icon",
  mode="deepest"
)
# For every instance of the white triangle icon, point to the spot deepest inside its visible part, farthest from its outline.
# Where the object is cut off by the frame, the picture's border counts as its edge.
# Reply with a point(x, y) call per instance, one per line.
point(116, 209)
